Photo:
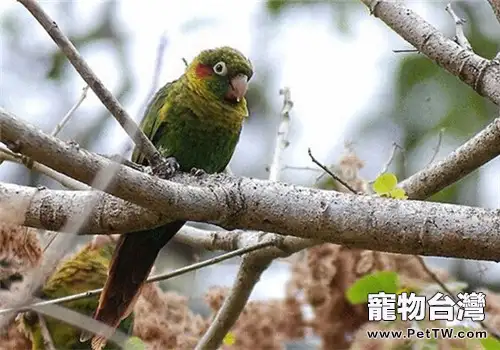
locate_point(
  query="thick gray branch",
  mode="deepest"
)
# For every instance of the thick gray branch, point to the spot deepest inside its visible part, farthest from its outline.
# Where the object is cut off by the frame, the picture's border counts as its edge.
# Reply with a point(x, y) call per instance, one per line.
point(476, 152)
point(479, 73)
point(409, 227)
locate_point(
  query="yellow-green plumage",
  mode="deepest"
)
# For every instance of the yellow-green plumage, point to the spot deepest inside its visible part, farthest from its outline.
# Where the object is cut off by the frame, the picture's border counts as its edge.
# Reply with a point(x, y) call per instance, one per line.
point(196, 119)
point(86, 270)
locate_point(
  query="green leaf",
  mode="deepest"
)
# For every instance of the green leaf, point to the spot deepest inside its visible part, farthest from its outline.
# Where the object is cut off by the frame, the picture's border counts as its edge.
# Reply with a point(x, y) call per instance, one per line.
point(229, 339)
point(134, 343)
point(385, 183)
point(380, 281)
point(490, 343)
point(398, 193)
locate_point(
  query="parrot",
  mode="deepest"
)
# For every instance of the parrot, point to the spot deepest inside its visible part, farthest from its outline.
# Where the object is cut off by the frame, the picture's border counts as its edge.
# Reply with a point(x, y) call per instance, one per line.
point(84, 271)
point(195, 120)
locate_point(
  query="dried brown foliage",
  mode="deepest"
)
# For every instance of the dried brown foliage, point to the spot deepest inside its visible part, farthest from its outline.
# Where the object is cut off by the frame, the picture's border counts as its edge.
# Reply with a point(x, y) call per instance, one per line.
point(19, 249)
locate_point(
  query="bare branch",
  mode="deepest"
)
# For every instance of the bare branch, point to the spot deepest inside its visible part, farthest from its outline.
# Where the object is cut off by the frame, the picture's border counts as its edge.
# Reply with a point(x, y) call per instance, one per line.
point(476, 152)
point(282, 137)
point(6, 154)
point(339, 218)
point(329, 172)
point(437, 147)
point(249, 273)
point(160, 51)
point(479, 73)
point(104, 95)
point(68, 115)
point(62, 243)
point(304, 168)
point(460, 37)
point(389, 161)
point(57, 129)
point(66, 181)
point(495, 5)
point(445, 289)
point(405, 51)
point(156, 278)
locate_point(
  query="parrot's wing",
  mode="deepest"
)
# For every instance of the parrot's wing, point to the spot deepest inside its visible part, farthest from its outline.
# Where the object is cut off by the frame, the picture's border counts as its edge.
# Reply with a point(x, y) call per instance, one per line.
point(151, 120)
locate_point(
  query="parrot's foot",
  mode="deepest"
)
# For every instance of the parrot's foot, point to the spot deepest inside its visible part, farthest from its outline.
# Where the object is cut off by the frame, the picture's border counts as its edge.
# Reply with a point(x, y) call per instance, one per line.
point(197, 172)
point(166, 168)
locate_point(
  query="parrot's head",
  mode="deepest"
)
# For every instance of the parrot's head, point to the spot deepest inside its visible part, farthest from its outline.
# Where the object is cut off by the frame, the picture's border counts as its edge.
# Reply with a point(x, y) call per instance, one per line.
point(224, 72)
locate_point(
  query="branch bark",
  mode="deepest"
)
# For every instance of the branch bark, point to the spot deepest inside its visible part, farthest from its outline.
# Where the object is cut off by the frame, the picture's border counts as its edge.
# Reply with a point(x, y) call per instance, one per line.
point(495, 5)
point(477, 72)
point(408, 227)
point(104, 95)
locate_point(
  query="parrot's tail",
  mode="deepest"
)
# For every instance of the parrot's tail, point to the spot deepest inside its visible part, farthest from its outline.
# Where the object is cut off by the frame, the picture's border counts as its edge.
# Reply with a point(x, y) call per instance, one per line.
point(130, 266)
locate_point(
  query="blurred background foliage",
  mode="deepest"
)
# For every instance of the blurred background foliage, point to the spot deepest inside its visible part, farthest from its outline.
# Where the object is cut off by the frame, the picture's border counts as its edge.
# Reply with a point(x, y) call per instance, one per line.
point(415, 100)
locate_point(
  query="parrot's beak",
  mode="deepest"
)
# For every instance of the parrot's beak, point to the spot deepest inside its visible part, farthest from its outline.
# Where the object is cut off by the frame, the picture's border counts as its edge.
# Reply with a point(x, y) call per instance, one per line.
point(237, 88)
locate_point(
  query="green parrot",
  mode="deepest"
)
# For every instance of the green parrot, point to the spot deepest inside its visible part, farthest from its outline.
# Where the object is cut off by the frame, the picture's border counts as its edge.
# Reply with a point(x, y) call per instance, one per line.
point(196, 120)
point(86, 270)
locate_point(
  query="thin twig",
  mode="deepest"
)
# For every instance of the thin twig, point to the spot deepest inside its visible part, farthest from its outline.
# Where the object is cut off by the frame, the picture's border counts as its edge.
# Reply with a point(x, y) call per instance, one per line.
point(329, 172)
point(248, 275)
point(66, 181)
point(72, 110)
point(296, 167)
point(389, 161)
point(105, 96)
point(28, 162)
point(405, 51)
point(443, 286)
point(47, 338)
point(51, 236)
point(281, 139)
point(460, 37)
point(160, 52)
point(437, 147)
point(155, 278)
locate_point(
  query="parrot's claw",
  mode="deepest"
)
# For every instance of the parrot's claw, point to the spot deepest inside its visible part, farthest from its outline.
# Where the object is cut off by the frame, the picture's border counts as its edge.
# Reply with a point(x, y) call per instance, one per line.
point(197, 172)
point(166, 168)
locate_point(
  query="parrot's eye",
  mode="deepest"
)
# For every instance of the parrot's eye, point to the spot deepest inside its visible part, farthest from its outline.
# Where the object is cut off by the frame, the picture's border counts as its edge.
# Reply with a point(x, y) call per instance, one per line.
point(220, 68)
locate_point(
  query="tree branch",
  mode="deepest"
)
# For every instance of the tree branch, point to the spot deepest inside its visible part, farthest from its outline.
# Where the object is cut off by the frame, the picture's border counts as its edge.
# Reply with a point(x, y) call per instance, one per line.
point(495, 5)
point(477, 72)
point(476, 152)
point(253, 264)
point(66, 181)
point(409, 227)
point(104, 95)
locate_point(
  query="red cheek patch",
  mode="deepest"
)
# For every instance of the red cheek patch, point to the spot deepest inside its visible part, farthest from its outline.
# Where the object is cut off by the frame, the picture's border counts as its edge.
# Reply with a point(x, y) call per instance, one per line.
point(203, 71)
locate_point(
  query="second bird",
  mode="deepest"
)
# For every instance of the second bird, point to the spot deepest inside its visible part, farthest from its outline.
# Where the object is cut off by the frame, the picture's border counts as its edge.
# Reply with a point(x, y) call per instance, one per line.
point(196, 119)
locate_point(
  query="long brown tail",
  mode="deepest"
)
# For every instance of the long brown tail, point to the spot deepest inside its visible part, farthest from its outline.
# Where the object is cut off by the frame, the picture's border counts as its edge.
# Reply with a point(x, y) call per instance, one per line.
point(130, 266)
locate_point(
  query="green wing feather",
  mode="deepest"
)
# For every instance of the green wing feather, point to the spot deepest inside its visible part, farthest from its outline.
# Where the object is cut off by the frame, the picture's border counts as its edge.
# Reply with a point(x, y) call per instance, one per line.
point(151, 122)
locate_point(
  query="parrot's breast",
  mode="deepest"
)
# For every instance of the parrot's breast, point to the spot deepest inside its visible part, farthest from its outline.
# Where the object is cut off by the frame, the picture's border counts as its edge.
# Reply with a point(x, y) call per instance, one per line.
point(197, 143)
